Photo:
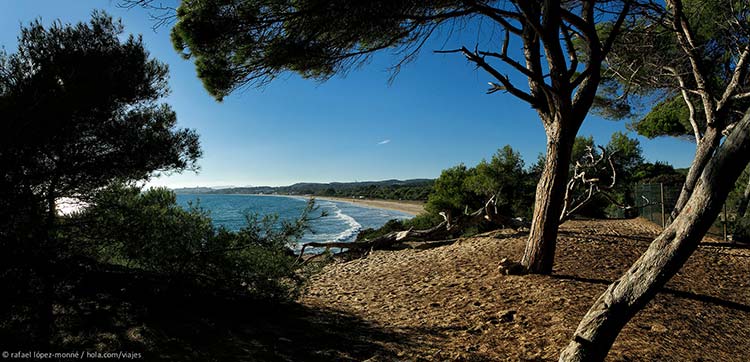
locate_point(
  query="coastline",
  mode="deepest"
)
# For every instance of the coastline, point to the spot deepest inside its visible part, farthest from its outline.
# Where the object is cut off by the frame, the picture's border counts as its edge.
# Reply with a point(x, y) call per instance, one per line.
point(408, 207)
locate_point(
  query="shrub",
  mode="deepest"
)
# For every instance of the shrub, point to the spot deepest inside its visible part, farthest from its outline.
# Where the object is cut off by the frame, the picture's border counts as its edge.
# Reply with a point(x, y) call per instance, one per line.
point(149, 231)
point(741, 230)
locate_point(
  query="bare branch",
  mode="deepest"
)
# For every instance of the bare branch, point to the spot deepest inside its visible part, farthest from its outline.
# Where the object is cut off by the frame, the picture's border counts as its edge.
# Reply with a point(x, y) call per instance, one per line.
point(686, 40)
point(594, 186)
point(689, 103)
point(741, 96)
point(570, 47)
point(507, 85)
point(738, 75)
point(498, 15)
point(487, 212)
point(615, 29)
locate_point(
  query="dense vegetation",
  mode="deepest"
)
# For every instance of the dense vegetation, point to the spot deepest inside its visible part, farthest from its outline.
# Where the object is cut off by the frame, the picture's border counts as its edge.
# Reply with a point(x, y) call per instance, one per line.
point(461, 189)
point(83, 118)
point(415, 189)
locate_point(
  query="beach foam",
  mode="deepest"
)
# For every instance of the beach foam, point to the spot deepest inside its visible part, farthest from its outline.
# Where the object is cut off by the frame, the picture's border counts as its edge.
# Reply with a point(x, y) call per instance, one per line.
point(354, 226)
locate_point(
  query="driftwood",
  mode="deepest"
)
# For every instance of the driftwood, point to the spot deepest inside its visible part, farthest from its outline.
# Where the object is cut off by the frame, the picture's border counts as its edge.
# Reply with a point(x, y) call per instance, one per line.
point(487, 213)
point(593, 185)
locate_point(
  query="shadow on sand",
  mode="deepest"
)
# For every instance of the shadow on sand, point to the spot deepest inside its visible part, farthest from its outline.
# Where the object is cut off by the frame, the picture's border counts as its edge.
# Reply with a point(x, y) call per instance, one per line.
point(110, 311)
point(708, 299)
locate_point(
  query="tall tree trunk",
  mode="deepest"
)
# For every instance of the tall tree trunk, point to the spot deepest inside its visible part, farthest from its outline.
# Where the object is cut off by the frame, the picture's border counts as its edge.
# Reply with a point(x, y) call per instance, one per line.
point(703, 153)
point(539, 255)
point(665, 256)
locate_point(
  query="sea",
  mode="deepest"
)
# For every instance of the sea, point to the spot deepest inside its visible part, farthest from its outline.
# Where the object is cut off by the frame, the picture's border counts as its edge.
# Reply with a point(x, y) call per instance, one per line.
point(342, 221)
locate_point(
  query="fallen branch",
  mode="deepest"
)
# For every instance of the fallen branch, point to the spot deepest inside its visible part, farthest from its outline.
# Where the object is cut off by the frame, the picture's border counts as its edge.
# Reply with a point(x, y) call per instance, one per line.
point(488, 213)
point(591, 164)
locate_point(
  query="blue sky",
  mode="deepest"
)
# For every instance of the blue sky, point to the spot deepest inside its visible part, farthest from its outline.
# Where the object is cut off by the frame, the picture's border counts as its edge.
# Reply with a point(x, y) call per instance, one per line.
point(434, 115)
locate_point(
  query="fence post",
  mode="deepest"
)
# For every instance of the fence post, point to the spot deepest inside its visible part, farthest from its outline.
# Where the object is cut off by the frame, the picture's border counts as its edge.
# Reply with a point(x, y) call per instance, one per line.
point(663, 214)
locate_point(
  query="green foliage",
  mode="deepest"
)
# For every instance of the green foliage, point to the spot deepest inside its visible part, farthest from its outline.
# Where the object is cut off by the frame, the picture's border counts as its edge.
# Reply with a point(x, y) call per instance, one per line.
point(388, 227)
point(423, 221)
point(740, 229)
point(420, 222)
point(503, 177)
point(461, 188)
point(149, 231)
point(581, 146)
point(737, 205)
point(241, 42)
point(639, 77)
point(80, 106)
point(737, 193)
point(451, 193)
point(416, 191)
point(80, 109)
point(626, 155)
point(669, 117)
point(657, 172)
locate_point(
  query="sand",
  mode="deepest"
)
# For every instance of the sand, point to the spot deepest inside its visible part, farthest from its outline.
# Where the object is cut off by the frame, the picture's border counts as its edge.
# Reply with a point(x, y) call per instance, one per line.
point(450, 303)
point(409, 207)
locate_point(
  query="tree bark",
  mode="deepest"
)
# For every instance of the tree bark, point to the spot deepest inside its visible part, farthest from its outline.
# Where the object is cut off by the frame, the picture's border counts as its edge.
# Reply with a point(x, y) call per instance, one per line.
point(539, 255)
point(665, 256)
point(703, 153)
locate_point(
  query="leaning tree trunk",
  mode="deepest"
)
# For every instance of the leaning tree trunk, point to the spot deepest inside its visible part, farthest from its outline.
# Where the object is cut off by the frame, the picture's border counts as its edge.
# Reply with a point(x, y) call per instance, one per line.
point(703, 153)
point(665, 256)
point(539, 255)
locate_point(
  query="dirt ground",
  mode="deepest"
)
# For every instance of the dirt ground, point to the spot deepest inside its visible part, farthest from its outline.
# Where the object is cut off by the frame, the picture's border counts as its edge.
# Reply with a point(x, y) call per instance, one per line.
point(451, 303)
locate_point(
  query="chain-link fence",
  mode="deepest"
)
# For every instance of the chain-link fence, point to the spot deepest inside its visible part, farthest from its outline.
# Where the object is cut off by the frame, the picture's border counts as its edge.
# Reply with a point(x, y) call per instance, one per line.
point(656, 201)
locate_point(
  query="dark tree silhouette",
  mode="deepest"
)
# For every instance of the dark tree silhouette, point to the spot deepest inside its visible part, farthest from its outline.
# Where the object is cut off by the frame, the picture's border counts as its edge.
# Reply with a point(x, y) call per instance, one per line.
point(81, 108)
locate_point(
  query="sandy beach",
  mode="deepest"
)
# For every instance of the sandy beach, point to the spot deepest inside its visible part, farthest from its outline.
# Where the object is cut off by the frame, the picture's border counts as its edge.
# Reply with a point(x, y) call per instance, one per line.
point(409, 207)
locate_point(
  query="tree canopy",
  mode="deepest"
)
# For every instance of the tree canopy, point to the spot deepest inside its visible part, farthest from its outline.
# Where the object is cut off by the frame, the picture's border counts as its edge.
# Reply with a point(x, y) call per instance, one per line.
point(656, 62)
point(81, 108)
point(251, 42)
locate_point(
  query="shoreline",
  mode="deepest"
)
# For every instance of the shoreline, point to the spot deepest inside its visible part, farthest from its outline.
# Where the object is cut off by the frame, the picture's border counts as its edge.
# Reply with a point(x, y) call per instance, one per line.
point(408, 207)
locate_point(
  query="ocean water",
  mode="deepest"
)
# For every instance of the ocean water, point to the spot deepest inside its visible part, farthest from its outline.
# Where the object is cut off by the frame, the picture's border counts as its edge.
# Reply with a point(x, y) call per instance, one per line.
point(343, 221)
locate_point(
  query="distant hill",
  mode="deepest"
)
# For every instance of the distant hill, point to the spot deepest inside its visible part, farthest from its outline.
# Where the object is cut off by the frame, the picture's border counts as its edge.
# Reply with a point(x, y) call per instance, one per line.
point(413, 189)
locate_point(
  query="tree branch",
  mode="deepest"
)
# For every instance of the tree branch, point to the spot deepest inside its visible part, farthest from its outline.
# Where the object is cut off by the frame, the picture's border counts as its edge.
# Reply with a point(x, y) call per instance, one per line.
point(592, 163)
point(689, 103)
point(506, 84)
point(737, 76)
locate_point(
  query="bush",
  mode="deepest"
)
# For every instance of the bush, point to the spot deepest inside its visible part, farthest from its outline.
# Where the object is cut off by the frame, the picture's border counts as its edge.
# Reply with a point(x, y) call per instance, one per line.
point(741, 230)
point(419, 222)
point(423, 221)
point(149, 231)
